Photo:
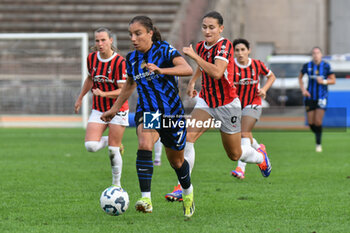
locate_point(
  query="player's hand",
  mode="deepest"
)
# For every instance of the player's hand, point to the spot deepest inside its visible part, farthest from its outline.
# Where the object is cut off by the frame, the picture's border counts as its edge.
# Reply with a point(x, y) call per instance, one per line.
point(77, 106)
point(153, 68)
point(98, 92)
point(261, 93)
point(108, 116)
point(305, 93)
point(319, 79)
point(189, 51)
point(191, 92)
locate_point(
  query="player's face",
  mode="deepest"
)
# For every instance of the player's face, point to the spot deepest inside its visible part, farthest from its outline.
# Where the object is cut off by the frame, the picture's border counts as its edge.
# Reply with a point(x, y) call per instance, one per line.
point(211, 30)
point(103, 42)
point(140, 38)
point(316, 55)
point(242, 53)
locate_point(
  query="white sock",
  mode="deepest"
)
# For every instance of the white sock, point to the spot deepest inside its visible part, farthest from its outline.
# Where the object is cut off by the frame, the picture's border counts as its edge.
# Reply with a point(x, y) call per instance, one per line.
point(244, 141)
point(146, 194)
point(190, 154)
point(93, 146)
point(187, 191)
point(255, 144)
point(158, 146)
point(250, 155)
point(116, 163)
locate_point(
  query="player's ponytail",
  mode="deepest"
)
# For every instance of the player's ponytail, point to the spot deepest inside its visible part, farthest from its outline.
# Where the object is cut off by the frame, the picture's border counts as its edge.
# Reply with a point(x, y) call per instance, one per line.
point(148, 24)
point(156, 34)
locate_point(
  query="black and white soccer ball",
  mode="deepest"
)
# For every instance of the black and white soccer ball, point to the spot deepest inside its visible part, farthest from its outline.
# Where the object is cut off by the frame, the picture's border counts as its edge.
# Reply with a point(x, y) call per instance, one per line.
point(114, 200)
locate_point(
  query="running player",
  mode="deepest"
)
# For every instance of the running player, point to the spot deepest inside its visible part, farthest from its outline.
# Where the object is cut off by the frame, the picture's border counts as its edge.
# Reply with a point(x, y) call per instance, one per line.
point(107, 75)
point(153, 68)
point(320, 76)
point(218, 98)
point(246, 77)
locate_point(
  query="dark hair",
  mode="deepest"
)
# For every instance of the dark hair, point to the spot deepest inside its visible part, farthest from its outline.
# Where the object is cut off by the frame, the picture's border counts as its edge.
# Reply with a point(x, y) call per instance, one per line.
point(215, 15)
point(148, 24)
point(109, 33)
point(241, 41)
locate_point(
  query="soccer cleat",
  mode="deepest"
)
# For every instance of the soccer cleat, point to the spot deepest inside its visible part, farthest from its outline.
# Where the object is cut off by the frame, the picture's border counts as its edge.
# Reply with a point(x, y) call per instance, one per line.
point(121, 149)
point(175, 195)
point(144, 205)
point(238, 173)
point(188, 206)
point(157, 163)
point(318, 148)
point(265, 166)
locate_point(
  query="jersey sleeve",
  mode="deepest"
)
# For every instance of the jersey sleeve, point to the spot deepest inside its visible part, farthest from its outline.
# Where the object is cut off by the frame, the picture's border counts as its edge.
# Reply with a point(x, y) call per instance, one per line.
point(329, 70)
point(121, 72)
point(171, 53)
point(224, 51)
point(264, 69)
point(128, 66)
point(304, 69)
point(88, 65)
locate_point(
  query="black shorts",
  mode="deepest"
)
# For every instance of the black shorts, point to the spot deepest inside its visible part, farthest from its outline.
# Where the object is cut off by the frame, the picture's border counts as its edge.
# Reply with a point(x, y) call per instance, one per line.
point(311, 105)
point(172, 133)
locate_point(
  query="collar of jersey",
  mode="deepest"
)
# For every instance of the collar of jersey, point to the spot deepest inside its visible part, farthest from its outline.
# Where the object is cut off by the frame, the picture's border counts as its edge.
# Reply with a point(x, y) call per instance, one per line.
point(108, 59)
point(242, 66)
point(209, 47)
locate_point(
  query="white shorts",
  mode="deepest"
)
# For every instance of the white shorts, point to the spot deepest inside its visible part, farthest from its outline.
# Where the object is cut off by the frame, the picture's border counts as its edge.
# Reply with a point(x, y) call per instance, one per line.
point(122, 118)
point(229, 114)
point(252, 110)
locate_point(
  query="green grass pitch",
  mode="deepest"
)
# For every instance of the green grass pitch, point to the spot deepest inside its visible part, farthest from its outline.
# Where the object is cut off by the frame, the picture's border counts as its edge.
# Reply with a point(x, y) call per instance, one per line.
point(50, 183)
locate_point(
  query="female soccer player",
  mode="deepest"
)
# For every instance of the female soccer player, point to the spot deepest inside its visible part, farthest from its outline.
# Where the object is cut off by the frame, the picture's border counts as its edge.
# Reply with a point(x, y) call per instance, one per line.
point(106, 77)
point(246, 77)
point(153, 68)
point(217, 98)
point(320, 76)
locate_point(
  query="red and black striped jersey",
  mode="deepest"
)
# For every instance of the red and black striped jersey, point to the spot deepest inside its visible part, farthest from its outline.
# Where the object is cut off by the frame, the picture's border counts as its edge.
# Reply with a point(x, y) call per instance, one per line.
point(246, 79)
point(106, 74)
point(222, 91)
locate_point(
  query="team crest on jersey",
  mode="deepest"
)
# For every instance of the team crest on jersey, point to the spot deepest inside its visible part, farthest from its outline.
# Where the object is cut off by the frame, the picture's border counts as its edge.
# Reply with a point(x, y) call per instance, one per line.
point(143, 64)
point(208, 54)
point(109, 70)
point(316, 72)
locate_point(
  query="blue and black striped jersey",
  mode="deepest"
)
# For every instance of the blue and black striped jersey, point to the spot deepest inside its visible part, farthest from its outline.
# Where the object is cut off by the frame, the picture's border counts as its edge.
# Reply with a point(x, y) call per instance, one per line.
point(317, 91)
point(156, 91)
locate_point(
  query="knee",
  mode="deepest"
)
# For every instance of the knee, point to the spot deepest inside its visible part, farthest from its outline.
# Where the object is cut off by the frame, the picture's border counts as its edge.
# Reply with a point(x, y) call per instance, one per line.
point(176, 164)
point(91, 146)
point(235, 155)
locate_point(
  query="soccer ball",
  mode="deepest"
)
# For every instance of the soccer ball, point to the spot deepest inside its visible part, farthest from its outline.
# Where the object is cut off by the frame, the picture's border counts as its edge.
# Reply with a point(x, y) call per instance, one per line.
point(114, 200)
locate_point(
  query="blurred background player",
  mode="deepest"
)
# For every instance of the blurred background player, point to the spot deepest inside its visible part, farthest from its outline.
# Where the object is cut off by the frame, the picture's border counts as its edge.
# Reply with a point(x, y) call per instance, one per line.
point(152, 67)
point(246, 77)
point(107, 75)
point(218, 98)
point(158, 147)
point(320, 75)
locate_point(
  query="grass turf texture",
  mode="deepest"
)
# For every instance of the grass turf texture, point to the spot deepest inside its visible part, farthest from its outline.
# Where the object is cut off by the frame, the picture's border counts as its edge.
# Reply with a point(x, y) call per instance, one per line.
point(49, 183)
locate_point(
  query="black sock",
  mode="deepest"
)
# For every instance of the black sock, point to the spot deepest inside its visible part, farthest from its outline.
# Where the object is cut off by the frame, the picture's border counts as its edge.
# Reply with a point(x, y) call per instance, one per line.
point(312, 127)
point(144, 168)
point(183, 175)
point(318, 133)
